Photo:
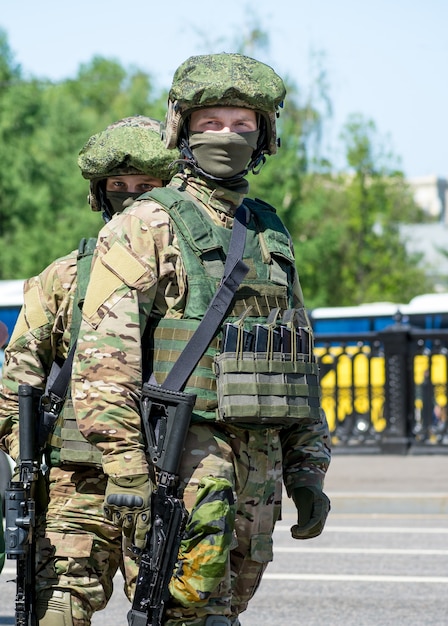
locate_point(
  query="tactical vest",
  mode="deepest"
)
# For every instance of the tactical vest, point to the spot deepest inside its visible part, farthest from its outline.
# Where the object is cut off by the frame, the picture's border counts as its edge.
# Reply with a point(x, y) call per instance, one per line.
point(203, 246)
point(66, 443)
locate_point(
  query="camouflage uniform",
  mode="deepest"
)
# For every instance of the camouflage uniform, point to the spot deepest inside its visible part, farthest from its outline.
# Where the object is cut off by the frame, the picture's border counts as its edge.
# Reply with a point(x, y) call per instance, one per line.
point(231, 475)
point(78, 551)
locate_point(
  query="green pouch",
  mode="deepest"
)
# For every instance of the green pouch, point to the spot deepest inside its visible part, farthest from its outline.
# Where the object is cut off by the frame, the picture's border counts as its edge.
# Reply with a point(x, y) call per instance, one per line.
point(273, 392)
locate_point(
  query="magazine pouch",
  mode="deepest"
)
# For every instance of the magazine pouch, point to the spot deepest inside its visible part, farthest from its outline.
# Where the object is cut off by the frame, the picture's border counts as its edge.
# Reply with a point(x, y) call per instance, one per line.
point(269, 377)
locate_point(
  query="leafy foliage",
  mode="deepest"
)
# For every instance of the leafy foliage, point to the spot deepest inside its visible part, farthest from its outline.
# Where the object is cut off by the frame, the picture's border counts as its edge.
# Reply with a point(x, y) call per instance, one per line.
point(43, 198)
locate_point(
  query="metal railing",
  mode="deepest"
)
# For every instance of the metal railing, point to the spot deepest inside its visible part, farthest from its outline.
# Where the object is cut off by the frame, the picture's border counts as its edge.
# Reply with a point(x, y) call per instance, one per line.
point(386, 391)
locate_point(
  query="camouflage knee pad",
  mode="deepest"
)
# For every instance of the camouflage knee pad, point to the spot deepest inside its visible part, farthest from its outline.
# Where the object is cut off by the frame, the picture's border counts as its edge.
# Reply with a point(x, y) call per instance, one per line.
point(205, 547)
point(59, 607)
point(54, 608)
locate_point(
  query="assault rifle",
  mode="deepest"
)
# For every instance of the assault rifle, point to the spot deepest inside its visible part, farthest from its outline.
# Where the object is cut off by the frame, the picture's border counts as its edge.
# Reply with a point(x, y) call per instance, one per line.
point(20, 508)
point(166, 417)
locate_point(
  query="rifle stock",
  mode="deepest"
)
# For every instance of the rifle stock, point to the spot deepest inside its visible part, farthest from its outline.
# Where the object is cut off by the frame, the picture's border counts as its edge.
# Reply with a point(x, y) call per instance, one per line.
point(20, 508)
point(166, 418)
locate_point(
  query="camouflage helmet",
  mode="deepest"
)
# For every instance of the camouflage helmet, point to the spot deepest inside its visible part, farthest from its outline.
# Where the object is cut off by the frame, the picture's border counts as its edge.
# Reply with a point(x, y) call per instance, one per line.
point(131, 145)
point(226, 79)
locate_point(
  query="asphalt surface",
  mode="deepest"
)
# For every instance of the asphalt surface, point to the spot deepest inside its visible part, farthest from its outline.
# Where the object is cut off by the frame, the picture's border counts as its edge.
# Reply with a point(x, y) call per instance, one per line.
point(382, 559)
point(388, 484)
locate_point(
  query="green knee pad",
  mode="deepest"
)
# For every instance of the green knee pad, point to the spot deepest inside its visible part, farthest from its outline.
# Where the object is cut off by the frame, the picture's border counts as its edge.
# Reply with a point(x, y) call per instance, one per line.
point(54, 608)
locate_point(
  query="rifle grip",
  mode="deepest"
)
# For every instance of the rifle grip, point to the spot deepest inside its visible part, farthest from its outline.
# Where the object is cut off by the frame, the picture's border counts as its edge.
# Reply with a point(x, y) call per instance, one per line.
point(174, 409)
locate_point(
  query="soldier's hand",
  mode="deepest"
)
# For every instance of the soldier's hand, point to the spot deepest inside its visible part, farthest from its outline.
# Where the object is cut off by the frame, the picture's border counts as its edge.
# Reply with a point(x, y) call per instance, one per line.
point(313, 507)
point(127, 503)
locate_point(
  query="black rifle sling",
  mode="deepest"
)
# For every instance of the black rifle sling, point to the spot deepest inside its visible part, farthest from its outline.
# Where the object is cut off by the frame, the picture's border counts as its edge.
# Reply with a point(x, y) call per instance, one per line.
point(234, 272)
point(58, 387)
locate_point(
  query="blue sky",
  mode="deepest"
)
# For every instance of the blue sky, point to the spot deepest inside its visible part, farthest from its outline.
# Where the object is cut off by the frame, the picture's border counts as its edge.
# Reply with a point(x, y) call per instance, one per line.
point(385, 59)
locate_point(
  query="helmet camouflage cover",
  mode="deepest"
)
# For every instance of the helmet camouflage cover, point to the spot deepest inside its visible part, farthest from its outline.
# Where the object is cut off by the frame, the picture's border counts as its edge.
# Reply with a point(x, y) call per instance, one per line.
point(226, 79)
point(132, 145)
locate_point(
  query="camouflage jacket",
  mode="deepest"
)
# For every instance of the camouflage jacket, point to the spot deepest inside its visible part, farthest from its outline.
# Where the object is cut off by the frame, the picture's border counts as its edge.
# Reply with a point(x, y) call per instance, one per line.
point(41, 335)
point(137, 272)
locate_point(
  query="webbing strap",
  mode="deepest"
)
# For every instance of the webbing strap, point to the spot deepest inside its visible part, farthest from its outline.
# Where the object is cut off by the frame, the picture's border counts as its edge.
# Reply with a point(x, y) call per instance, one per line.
point(234, 272)
point(60, 385)
point(83, 266)
point(59, 377)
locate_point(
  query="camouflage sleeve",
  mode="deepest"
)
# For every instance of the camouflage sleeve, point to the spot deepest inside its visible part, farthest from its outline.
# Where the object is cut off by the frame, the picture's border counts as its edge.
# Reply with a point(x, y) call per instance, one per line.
point(306, 445)
point(306, 453)
point(40, 334)
point(133, 258)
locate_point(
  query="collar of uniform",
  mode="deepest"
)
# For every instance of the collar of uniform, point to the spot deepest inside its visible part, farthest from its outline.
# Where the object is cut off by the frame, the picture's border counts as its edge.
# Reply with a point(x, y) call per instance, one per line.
point(221, 200)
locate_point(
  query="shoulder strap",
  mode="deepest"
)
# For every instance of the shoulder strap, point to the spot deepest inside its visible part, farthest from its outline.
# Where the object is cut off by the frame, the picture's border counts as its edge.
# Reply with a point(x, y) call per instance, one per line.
point(86, 249)
point(59, 378)
point(234, 271)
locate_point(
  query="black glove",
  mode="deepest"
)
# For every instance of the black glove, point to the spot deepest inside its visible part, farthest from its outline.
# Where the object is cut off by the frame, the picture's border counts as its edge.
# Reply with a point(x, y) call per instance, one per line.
point(313, 507)
point(127, 503)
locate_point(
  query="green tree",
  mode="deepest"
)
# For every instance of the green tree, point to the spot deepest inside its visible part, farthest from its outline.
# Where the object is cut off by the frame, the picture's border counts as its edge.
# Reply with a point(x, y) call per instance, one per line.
point(43, 125)
point(347, 233)
point(9, 69)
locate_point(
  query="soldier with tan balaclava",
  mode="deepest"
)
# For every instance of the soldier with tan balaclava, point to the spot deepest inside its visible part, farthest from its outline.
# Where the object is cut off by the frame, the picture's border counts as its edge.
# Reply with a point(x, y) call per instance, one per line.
point(156, 268)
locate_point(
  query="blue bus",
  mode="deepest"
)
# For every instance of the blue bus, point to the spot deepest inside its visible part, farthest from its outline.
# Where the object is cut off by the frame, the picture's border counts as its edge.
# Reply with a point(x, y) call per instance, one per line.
point(11, 300)
point(428, 311)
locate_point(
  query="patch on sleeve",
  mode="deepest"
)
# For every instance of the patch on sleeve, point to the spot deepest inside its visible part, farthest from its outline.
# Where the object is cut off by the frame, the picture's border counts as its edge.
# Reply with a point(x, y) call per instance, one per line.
point(121, 262)
point(102, 285)
point(35, 312)
point(20, 328)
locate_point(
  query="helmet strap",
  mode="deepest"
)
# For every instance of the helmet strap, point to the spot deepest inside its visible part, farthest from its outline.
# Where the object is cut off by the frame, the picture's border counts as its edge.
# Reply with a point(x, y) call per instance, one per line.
point(256, 164)
point(104, 203)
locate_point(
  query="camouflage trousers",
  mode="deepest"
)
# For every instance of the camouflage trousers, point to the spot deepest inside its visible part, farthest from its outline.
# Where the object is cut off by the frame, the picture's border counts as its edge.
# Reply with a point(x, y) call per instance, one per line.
point(232, 481)
point(77, 549)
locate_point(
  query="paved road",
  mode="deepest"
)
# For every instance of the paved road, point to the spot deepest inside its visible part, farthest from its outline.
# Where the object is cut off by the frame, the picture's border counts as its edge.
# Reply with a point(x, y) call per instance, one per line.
point(381, 561)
